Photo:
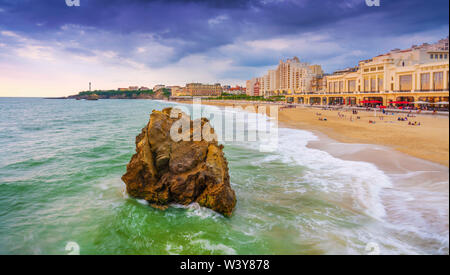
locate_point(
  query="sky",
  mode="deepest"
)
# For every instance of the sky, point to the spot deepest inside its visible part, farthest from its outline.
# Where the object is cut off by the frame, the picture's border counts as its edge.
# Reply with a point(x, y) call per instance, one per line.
point(48, 48)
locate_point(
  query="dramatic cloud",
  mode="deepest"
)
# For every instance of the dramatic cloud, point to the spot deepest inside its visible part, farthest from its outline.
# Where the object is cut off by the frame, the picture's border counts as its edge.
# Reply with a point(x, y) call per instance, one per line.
point(123, 42)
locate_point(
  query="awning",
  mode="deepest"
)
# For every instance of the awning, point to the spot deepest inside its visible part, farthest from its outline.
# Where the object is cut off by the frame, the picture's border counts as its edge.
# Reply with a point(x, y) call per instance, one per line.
point(400, 102)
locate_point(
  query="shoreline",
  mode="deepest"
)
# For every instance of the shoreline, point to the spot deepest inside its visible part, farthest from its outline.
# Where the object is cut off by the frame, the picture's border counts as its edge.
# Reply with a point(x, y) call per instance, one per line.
point(415, 200)
point(429, 142)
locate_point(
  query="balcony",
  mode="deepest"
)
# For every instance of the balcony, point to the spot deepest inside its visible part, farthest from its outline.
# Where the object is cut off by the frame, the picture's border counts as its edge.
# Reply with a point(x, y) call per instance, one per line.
point(432, 90)
point(370, 92)
point(420, 91)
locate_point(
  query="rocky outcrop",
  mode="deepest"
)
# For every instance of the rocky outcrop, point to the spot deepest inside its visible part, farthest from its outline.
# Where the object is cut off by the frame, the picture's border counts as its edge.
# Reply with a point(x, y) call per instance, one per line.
point(165, 171)
point(92, 97)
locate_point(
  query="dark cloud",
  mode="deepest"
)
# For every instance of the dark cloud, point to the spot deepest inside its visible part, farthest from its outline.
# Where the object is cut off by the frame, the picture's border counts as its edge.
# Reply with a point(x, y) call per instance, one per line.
point(189, 19)
point(200, 26)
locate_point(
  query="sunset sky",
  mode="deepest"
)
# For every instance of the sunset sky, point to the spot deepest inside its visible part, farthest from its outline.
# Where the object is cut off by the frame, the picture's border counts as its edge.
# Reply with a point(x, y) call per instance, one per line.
point(50, 49)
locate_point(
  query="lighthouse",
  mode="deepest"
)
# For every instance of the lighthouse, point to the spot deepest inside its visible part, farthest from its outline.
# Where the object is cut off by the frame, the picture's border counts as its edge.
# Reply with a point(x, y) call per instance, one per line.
point(89, 86)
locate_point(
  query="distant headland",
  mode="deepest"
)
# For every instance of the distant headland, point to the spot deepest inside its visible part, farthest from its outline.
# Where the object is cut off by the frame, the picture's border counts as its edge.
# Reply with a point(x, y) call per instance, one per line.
point(122, 94)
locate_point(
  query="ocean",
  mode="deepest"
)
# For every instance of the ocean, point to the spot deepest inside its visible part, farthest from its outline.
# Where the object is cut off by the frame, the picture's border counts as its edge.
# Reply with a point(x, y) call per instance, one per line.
point(60, 167)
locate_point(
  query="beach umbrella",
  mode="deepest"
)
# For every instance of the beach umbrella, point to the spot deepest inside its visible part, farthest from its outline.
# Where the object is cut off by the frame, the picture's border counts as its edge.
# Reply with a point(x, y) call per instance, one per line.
point(382, 107)
point(421, 102)
point(375, 101)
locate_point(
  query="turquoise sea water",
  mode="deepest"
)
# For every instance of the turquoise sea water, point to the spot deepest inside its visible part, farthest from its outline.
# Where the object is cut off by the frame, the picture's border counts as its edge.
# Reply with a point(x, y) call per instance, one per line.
point(60, 168)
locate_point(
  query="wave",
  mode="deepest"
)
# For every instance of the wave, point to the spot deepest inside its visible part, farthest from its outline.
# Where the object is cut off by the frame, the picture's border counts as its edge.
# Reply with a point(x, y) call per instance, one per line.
point(361, 181)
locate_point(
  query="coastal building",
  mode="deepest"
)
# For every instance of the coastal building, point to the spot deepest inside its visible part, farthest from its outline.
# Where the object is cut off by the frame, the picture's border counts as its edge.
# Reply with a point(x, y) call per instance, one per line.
point(256, 88)
point(133, 88)
point(293, 76)
point(273, 82)
point(290, 77)
point(319, 84)
point(199, 89)
point(264, 85)
point(250, 84)
point(158, 87)
point(177, 91)
point(417, 74)
point(144, 88)
point(238, 90)
point(226, 88)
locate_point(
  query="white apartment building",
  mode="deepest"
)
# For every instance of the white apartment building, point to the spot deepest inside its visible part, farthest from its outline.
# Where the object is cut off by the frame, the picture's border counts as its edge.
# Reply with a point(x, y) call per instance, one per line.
point(290, 77)
point(250, 84)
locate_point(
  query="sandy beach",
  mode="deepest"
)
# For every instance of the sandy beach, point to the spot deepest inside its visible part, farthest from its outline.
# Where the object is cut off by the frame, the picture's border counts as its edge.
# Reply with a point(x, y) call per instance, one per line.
point(428, 141)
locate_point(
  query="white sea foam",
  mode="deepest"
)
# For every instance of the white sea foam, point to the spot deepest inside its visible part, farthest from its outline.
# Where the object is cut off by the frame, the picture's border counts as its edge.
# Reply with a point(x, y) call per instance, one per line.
point(215, 248)
point(361, 181)
point(195, 210)
point(143, 202)
point(174, 249)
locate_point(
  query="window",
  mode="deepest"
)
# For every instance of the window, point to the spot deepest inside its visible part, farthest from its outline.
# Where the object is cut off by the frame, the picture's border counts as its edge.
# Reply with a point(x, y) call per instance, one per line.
point(405, 82)
point(373, 84)
point(445, 56)
point(380, 84)
point(440, 56)
point(424, 81)
point(366, 85)
point(431, 56)
point(438, 80)
point(351, 85)
point(341, 86)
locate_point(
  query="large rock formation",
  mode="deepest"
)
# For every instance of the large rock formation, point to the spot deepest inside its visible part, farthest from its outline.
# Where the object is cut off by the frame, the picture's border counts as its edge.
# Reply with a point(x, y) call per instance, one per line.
point(165, 171)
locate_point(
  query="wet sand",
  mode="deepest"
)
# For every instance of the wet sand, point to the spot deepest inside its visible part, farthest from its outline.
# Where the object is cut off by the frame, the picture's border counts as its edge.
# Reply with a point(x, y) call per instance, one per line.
point(429, 141)
point(417, 201)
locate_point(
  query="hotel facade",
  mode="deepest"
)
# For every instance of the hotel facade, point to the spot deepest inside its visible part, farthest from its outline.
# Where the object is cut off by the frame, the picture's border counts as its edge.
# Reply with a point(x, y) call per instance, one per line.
point(417, 74)
point(199, 89)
